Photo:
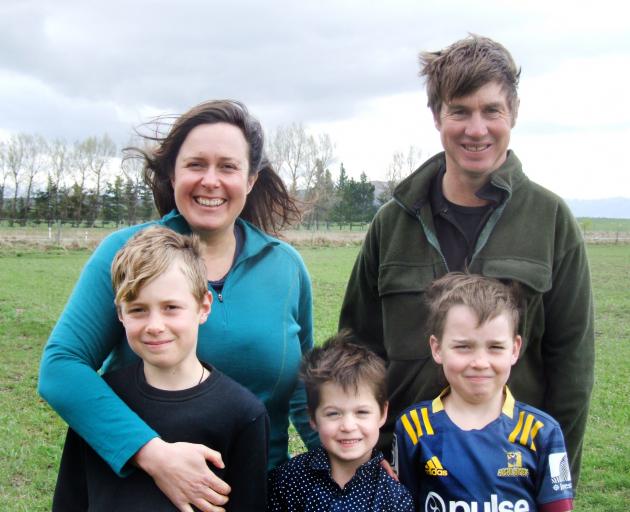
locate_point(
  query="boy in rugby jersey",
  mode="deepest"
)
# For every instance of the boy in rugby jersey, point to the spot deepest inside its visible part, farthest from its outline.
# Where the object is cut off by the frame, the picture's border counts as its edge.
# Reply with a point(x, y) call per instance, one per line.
point(474, 448)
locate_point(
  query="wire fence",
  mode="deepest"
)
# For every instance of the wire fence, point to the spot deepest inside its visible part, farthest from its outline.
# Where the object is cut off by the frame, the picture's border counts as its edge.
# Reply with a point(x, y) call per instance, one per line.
point(69, 235)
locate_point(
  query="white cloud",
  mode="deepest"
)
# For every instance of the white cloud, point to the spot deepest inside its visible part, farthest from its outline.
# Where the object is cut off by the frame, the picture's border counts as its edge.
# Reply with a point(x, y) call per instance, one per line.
point(72, 68)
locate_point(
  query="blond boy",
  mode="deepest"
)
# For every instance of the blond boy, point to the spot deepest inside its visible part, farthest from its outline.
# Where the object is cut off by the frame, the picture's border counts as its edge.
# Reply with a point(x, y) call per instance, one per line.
point(161, 294)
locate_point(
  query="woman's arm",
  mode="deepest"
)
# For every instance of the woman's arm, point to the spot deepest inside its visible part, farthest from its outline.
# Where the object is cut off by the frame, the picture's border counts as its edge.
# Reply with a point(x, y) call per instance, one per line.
point(86, 333)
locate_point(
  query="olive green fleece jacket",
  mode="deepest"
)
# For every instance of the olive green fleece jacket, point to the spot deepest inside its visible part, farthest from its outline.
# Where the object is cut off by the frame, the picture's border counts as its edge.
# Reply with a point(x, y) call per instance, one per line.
point(532, 238)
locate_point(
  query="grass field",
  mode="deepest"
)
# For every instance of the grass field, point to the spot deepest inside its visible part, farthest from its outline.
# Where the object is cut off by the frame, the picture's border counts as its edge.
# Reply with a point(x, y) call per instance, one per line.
point(35, 286)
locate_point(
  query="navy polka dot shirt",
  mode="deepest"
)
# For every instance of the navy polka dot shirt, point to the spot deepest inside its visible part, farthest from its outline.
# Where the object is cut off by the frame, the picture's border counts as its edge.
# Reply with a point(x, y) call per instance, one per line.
point(305, 484)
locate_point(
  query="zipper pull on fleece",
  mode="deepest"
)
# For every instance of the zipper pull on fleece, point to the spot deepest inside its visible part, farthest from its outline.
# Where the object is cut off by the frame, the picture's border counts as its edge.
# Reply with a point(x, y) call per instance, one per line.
point(220, 297)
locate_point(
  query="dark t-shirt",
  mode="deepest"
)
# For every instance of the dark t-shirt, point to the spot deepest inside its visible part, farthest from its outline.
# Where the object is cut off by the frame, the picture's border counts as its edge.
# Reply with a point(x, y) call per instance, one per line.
point(218, 413)
point(458, 227)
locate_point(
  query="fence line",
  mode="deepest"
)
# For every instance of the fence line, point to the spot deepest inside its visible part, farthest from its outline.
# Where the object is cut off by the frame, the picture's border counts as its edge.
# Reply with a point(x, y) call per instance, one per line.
point(65, 234)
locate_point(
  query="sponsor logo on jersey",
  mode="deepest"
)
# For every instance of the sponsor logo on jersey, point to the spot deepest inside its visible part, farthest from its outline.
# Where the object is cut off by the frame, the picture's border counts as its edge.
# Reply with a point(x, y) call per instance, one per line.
point(433, 467)
point(559, 471)
point(435, 503)
point(514, 466)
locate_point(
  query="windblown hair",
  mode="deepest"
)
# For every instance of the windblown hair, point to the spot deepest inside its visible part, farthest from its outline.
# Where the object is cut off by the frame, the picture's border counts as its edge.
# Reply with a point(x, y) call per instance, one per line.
point(465, 66)
point(487, 297)
point(150, 253)
point(269, 205)
point(342, 362)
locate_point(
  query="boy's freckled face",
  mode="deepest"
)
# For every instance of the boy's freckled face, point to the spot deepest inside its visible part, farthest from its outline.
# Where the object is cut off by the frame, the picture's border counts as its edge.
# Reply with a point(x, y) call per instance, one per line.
point(348, 424)
point(476, 359)
point(162, 322)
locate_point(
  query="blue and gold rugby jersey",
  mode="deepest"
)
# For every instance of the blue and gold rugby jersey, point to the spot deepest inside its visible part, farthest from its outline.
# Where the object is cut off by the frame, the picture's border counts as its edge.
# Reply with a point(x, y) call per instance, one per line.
point(517, 463)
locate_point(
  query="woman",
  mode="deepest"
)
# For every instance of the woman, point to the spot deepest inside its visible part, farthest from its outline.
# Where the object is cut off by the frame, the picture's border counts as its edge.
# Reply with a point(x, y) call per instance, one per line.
point(209, 177)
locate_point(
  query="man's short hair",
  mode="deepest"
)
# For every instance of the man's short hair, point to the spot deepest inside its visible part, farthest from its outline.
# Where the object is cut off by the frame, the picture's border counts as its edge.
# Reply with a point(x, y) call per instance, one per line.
point(487, 297)
point(150, 253)
point(347, 364)
point(464, 67)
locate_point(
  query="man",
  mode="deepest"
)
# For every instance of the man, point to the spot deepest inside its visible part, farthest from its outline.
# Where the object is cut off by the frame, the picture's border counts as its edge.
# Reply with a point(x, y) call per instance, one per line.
point(472, 208)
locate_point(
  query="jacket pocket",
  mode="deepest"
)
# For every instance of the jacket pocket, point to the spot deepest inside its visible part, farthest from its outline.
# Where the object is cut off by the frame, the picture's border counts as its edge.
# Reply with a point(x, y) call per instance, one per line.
point(534, 279)
point(535, 275)
point(401, 289)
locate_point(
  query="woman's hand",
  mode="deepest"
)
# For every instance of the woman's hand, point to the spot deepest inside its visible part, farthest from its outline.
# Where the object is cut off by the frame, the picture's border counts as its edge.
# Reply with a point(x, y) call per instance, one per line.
point(181, 473)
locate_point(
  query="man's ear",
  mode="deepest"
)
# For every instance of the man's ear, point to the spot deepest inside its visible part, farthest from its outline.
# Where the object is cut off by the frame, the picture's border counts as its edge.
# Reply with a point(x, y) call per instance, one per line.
point(517, 103)
point(437, 121)
point(435, 349)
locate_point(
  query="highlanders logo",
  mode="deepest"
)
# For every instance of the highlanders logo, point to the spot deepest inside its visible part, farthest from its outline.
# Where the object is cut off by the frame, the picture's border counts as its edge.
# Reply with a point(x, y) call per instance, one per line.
point(514, 466)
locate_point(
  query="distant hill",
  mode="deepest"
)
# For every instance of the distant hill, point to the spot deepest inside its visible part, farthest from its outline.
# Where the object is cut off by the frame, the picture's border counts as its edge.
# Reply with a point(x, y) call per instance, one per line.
point(611, 208)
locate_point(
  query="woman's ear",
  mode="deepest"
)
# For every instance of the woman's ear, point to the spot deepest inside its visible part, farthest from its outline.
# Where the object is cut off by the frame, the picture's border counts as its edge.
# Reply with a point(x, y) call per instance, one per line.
point(251, 180)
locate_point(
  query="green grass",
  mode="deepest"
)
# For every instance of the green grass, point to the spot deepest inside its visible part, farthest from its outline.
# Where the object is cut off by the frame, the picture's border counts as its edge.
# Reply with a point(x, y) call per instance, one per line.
point(605, 479)
point(34, 289)
point(35, 286)
point(604, 225)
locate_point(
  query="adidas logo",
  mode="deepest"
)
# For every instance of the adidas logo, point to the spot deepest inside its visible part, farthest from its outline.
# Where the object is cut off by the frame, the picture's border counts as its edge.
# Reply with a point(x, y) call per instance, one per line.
point(433, 467)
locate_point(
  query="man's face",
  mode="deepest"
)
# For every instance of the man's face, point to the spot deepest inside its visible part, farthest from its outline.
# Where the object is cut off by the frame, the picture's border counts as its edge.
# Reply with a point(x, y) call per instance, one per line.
point(475, 131)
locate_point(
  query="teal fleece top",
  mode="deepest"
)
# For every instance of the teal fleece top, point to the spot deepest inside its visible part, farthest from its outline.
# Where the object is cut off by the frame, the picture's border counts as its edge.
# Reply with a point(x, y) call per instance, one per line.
point(257, 331)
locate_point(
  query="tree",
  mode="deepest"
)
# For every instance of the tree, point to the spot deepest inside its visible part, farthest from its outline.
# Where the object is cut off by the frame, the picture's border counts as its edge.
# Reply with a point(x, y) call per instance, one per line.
point(363, 199)
point(288, 152)
point(59, 157)
point(132, 167)
point(400, 167)
point(4, 173)
point(321, 197)
point(114, 202)
point(90, 157)
point(77, 193)
point(297, 154)
point(355, 199)
point(35, 155)
point(319, 155)
point(99, 151)
point(14, 162)
point(392, 177)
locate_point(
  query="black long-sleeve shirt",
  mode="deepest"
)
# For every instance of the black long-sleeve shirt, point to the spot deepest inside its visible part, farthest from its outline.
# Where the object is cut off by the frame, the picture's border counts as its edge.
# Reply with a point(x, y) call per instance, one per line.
point(218, 413)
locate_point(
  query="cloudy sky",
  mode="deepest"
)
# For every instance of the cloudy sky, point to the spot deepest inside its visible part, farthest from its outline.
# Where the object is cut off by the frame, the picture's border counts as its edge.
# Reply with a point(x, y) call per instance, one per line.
point(72, 69)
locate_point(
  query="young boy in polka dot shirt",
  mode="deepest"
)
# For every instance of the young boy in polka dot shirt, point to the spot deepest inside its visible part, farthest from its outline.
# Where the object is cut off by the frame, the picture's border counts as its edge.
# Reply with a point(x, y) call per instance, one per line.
point(346, 395)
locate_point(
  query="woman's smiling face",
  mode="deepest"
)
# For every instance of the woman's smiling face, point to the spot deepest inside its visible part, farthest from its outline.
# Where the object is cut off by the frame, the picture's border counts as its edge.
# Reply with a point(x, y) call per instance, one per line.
point(211, 178)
